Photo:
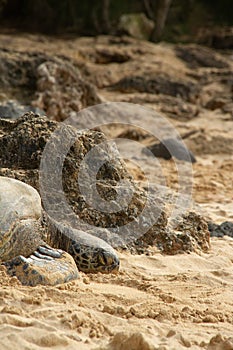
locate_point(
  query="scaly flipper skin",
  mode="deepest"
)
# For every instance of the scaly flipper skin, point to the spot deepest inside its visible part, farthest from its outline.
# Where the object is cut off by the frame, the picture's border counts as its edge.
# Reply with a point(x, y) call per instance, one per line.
point(46, 266)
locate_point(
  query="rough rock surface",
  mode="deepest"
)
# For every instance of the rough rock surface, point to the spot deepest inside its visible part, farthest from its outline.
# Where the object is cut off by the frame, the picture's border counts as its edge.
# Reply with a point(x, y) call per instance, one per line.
point(53, 84)
point(198, 79)
point(198, 56)
point(218, 38)
point(29, 134)
point(224, 229)
point(216, 90)
point(160, 84)
point(61, 90)
point(203, 142)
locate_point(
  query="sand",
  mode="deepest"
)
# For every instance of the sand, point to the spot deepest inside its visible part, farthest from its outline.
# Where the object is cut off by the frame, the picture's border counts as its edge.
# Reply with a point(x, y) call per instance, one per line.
point(154, 302)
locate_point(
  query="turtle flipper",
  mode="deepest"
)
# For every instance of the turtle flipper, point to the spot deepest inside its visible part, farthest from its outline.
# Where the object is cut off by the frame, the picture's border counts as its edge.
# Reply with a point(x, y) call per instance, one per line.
point(45, 266)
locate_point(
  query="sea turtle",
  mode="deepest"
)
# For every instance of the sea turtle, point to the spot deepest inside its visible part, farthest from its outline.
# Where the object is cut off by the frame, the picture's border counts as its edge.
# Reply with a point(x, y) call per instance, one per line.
point(24, 242)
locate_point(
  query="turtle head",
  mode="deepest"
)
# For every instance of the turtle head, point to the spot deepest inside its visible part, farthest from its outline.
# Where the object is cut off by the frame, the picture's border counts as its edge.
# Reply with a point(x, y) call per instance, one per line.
point(94, 259)
point(107, 261)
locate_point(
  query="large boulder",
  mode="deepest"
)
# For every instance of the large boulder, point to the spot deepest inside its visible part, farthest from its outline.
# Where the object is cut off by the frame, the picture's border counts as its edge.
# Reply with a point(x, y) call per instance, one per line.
point(31, 135)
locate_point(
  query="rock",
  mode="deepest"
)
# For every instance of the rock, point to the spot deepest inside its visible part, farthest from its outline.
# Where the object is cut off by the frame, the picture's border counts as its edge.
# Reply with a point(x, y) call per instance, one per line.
point(176, 108)
point(61, 90)
point(13, 109)
point(216, 89)
point(133, 134)
point(169, 148)
point(136, 25)
point(189, 234)
point(203, 142)
point(193, 234)
point(160, 84)
point(198, 56)
point(29, 135)
point(24, 199)
point(228, 108)
point(50, 83)
point(28, 138)
point(18, 72)
point(106, 55)
point(224, 229)
point(218, 38)
point(173, 107)
point(215, 103)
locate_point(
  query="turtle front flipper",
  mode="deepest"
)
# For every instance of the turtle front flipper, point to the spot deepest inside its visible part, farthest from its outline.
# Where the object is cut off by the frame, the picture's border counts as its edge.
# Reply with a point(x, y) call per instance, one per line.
point(46, 266)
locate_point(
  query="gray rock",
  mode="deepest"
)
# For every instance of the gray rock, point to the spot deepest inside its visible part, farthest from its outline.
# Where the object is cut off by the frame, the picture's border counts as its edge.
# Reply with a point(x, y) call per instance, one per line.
point(198, 56)
point(169, 148)
point(12, 109)
point(224, 229)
